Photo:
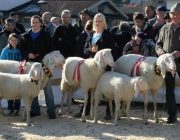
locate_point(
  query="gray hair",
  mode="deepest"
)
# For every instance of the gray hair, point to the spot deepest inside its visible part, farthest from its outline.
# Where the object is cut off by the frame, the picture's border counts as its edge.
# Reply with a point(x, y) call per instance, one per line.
point(66, 12)
point(10, 20)
point(48, 13)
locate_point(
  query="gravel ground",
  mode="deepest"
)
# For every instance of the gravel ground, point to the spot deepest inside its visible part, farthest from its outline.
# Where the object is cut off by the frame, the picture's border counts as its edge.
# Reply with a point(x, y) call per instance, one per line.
point(67, 127)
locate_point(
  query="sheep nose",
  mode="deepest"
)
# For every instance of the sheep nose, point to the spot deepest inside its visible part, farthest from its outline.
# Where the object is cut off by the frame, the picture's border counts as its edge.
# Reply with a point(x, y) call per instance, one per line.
point(174, 68)
point(63, 61)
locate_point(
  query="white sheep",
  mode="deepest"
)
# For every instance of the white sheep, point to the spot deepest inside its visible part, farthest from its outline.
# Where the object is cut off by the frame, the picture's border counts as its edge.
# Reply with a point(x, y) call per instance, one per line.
point(118, 87)
point(154, 69)
point(90, 71)
point(50, 61)
point(25, 86)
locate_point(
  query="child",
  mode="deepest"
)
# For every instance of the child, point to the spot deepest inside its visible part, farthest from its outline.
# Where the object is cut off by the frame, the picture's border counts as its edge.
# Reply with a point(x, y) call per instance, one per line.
point(135, 48)
point(146, 46)
point(10, 52)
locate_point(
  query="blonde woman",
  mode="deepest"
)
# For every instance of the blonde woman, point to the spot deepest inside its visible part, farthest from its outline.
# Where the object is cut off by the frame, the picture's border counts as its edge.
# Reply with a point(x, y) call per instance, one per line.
point(100, 38)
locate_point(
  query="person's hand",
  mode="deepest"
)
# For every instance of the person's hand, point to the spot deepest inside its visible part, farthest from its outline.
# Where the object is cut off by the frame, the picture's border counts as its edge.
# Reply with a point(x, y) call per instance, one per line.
point(176, 54)
point(31, 56)
point(94, 48)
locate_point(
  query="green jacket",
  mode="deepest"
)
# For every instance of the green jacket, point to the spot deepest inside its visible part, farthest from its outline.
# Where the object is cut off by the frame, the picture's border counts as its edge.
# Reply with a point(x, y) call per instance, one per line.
point(78, 27)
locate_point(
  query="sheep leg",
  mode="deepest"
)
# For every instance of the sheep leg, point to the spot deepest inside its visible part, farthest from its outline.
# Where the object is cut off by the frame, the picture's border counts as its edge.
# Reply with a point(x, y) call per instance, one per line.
point(24, 114)
point(1, 109)
point(61, 111)
point(92, 102)
point(85, 104)
point(70, 99)
point(27, 104)
point(145, 107)
point(127, 111)
point(110, 107)
point(123, 109)
point(97, 98)
point(155, 105)
point(118, 106)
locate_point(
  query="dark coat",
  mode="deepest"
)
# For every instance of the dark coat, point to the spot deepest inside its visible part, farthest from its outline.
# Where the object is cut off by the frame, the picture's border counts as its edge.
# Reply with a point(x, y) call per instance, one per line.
point(120, 38)
point(20, 28)
point(81, 43)
point(67, 44)
point(106, 41)
point(42, 45)
point(148, 30)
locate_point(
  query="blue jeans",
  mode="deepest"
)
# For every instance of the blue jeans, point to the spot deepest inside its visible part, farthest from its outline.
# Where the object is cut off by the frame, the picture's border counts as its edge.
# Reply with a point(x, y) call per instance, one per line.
point(49, 97)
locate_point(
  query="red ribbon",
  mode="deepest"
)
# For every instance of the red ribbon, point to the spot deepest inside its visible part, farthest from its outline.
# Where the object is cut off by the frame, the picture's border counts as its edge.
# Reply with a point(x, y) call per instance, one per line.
point(136, 66)
point(20, 70)
point(76, 74)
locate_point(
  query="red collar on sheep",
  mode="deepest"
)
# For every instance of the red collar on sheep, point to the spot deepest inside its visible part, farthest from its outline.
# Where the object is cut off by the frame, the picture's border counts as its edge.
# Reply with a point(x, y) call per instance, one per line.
point(76, 74)
point(135, 68)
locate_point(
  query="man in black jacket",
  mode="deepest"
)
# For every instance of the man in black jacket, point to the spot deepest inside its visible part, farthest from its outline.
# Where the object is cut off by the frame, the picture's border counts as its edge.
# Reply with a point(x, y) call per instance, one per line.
point(34, 45)
point(64, 38)
point(19, 26)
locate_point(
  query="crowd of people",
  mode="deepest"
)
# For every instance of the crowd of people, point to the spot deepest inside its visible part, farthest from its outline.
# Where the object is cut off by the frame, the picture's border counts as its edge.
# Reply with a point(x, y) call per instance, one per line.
point(154, 34)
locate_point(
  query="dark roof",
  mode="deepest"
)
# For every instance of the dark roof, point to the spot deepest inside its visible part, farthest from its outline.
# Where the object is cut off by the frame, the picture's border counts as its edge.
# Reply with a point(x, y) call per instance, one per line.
point(27, 9)
point(75, 7)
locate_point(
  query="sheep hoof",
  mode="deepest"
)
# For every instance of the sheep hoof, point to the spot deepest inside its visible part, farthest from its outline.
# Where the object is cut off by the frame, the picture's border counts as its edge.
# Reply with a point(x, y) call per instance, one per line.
point(115, 124)
point(146, 123)
point(28, 124)
point(83, 120)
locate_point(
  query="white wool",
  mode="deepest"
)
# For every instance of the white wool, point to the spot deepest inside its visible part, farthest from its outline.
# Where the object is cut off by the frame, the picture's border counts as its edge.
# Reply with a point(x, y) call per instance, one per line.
point(90, 72)
point(118, 87)
point(15, 86)
point(147, 69)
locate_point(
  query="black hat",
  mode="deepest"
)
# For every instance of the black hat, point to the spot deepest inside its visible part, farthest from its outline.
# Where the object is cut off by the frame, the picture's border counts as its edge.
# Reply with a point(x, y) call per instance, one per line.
point(85, 11)
point(12, 14)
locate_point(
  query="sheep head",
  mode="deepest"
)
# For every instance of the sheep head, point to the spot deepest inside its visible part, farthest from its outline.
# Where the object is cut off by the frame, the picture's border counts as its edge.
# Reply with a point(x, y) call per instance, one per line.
point(141, 86)
point(167, 63)
point(53, 59)
point(58, 57)
point(36, 72)
point(103, 58)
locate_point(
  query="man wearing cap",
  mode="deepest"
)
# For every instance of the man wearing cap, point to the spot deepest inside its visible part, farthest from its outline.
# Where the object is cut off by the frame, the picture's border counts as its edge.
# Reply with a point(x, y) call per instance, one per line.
point(158, 21)
point(84, 17)
point(19, 26)
point(168, 42)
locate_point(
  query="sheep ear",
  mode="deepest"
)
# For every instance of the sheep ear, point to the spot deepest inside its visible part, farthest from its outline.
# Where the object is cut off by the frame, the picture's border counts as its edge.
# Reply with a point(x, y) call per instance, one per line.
point(136, 89)
point(100, 61)
point(42, 74)
point(163, 70)
point(30, 73)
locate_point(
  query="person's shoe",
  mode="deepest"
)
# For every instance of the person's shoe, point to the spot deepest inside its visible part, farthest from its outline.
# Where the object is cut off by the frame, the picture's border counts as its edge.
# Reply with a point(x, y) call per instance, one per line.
point(33, 114)
point(9, 112)
point(15, 112)
point(171, 119)
point(78, 115)
point(52, 115)
point(107, 117)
